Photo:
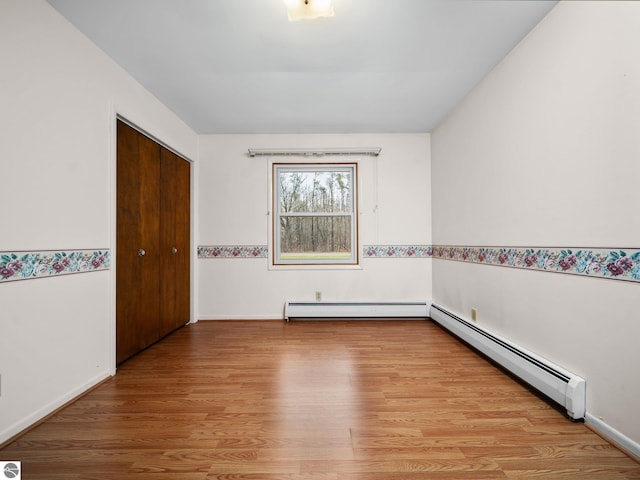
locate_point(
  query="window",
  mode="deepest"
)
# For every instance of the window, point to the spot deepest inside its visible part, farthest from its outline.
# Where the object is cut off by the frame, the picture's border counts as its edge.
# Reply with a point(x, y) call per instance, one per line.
point(315, 214)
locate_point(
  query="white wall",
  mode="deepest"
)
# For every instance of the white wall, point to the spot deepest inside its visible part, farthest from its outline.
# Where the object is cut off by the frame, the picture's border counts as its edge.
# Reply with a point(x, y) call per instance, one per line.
point(59, 95)
point(234, 204)
point(546, 152)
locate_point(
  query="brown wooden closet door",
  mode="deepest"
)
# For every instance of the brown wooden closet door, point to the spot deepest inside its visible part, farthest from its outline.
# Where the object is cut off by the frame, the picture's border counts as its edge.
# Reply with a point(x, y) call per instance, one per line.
point(174, 241)
point(137, 242)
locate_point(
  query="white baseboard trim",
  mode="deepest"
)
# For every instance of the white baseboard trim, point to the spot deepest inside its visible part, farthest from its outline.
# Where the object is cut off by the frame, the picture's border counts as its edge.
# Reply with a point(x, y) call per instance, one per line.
point(49, 408)
point(239, 317)
point(616, 437)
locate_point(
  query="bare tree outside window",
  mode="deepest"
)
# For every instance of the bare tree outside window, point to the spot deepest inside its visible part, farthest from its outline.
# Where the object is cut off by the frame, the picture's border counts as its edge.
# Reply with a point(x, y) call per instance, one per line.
point(315, 220)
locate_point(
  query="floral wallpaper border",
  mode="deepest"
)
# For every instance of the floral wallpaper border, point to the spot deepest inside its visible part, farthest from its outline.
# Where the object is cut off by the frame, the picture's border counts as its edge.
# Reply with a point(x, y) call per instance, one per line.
point(262, 251)
point(46, 263)
point(610, 263)
point(233, 251)
point(397, 251)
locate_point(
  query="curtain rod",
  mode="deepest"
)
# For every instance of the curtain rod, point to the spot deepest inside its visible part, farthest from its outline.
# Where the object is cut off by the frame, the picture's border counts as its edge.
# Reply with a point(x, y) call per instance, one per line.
point(261, 152)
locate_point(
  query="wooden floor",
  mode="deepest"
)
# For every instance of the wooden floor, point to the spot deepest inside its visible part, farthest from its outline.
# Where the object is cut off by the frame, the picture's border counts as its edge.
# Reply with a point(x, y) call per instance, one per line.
point(313, 400)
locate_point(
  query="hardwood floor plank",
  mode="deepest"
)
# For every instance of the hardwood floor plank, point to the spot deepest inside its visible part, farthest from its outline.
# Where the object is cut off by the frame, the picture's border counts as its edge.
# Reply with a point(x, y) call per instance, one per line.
point(408, 453)
point(375, 466)
point(331, 400)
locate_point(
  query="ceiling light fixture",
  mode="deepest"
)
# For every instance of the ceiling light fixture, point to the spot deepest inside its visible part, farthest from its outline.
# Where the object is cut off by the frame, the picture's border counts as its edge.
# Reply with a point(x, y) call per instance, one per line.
point(308, 9)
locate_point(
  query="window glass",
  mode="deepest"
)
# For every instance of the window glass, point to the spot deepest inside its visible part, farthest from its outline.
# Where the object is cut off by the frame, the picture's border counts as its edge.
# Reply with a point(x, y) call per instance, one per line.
point(315, 219)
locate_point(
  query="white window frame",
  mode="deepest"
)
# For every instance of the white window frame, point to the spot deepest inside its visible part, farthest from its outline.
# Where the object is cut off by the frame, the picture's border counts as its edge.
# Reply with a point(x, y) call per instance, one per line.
point(352, 168)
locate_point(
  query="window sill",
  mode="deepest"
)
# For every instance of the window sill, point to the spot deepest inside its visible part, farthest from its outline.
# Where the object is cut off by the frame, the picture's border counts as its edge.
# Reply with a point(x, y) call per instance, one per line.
point(314, 267)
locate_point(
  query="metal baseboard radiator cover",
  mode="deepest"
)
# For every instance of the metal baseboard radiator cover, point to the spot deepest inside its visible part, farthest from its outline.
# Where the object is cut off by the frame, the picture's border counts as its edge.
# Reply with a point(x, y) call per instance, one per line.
point(565, 388)
point(355, 310)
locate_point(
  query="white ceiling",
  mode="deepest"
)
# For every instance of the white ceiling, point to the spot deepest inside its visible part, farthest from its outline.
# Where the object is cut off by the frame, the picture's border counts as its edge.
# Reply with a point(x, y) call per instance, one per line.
point(239, 66)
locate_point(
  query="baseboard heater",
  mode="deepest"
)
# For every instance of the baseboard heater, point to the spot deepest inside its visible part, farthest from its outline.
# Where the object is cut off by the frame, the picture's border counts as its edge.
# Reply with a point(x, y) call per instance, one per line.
point(355, 310)
point(563, 387)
